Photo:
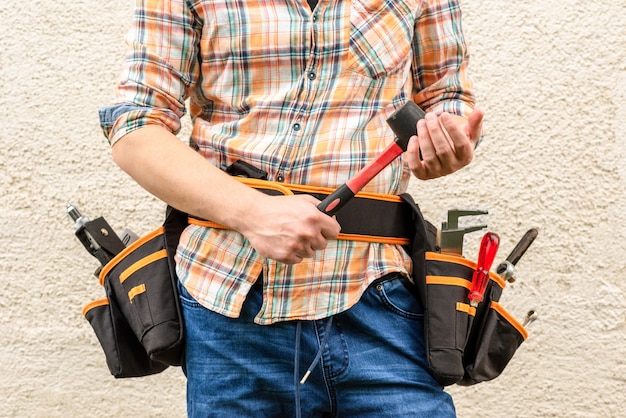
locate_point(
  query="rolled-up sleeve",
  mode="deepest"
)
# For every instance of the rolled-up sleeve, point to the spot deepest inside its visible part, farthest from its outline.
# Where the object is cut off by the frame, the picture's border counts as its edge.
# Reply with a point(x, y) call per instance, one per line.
point(441, 57)
point(158, 72)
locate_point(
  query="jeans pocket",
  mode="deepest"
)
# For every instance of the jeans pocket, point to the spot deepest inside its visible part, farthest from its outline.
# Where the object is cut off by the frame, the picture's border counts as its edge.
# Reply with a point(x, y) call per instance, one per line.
point(185, 297)
point(397, 295)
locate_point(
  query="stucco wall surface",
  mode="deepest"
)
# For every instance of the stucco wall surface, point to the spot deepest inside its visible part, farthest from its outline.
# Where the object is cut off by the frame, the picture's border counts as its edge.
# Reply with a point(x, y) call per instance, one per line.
point(551, 77)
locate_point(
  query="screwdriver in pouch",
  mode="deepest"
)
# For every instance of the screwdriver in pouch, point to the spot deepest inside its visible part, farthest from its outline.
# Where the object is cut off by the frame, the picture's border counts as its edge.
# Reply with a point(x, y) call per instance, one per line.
point(486, 254)
point(506, 269)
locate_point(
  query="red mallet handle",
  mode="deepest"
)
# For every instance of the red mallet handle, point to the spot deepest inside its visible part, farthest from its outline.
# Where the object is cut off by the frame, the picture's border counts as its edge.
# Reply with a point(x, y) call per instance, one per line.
point(404, 124)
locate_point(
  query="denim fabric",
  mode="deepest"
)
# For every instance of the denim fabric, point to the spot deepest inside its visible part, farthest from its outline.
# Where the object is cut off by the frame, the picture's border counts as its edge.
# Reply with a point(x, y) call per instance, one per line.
point(372, 366)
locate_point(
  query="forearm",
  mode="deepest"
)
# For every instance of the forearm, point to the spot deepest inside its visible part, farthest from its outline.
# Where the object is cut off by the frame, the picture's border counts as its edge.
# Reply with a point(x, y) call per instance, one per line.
point(166, 167)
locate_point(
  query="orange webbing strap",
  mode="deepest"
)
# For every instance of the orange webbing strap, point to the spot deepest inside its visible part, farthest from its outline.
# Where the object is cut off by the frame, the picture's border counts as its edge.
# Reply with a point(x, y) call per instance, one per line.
point(369, 217)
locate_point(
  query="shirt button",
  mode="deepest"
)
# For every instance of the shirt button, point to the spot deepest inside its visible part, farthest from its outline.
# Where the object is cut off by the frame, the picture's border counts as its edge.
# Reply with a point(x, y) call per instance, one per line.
point(311, 75)
point(296, 126)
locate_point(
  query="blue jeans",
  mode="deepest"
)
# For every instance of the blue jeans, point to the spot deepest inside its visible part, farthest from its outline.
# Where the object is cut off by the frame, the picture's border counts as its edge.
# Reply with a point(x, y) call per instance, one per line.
point(373, 364)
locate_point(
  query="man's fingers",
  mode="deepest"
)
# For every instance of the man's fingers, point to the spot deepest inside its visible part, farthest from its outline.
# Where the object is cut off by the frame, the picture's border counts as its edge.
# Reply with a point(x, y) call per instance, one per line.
point(463, 147)
point(446, 143)
point(414, 158)
point(426, 146)
point(438, 137)
point(475, 125)
point(328, 226)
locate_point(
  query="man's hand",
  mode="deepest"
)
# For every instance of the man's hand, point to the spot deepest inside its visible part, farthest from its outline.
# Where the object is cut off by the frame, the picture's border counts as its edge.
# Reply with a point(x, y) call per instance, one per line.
point(446, 144)
point(288, 228)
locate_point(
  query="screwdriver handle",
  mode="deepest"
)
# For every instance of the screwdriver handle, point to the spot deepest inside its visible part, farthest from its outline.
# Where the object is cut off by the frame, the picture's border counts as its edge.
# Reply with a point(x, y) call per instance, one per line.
point(486, 254)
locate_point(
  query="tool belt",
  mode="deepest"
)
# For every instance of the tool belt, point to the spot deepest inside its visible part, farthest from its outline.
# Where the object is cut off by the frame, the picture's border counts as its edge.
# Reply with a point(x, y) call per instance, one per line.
point(139, 324)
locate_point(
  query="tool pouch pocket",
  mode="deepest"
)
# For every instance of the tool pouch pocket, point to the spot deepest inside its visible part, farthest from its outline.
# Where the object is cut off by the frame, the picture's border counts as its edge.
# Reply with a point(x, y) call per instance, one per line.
point(139, 323)
point(491, 345)
point(465, 345)
point(124, 354)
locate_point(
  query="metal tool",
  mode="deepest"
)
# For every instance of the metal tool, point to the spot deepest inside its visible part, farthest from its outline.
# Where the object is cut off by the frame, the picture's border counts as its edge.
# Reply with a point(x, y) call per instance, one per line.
point(98, 237)
point(487, 253)
point(404, 124)
point(506, 269)
point(531, 317)
point(450, 239)
point(79, 225)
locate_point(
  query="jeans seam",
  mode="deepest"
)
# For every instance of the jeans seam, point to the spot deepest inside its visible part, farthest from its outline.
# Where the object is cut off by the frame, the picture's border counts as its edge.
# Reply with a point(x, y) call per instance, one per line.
point(326, 367)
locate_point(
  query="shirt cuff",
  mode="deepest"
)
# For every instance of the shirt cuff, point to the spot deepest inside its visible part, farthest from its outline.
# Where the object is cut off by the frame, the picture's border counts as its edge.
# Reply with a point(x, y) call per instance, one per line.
point(121, 119)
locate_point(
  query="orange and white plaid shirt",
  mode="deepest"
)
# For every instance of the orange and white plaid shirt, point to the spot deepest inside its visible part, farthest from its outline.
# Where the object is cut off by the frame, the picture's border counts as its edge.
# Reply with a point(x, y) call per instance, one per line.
point(301, 94)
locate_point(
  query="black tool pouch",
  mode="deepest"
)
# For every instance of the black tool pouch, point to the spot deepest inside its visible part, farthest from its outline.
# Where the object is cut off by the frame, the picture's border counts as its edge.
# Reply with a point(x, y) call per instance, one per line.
point(464, 345)
point(492, 342)
point(139, 324)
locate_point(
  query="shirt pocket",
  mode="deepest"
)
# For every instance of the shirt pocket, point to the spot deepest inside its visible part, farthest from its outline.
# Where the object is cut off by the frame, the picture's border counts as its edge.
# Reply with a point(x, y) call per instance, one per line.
point(381, 33)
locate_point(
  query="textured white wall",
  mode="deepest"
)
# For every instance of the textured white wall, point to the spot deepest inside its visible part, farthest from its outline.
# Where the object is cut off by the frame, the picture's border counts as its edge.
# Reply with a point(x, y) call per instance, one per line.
point(551, 77)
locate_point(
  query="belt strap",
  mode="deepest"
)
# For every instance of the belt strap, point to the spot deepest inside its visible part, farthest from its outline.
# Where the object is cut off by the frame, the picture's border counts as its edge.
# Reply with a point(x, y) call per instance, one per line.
point(368, 217)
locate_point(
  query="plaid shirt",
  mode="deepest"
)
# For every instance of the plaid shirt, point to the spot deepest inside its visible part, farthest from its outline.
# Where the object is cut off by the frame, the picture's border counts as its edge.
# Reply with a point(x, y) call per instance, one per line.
point(301, 94)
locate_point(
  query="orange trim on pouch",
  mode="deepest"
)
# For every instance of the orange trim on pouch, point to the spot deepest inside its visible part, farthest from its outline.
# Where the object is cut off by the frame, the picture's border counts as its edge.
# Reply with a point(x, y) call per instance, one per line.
point(137, 290)
point(464, 307)
point(106, 269)
point(149, 259)
point(506, 315)
point(95, 304)
point(448, 281)
point(432, 256)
